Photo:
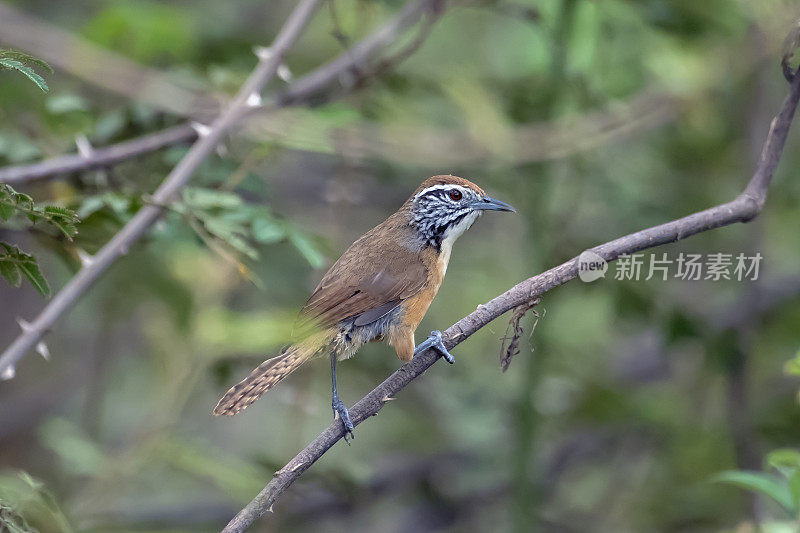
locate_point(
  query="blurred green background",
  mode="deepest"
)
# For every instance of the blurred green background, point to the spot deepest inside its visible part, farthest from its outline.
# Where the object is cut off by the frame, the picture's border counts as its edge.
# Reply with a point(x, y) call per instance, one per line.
point(593, 118)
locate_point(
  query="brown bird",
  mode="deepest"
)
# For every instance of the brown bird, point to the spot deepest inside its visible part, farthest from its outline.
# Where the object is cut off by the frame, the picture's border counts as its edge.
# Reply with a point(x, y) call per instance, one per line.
point(379, 289)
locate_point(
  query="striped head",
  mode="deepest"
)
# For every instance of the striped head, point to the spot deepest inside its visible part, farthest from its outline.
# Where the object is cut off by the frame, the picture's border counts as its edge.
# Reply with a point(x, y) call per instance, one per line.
point(444, 207)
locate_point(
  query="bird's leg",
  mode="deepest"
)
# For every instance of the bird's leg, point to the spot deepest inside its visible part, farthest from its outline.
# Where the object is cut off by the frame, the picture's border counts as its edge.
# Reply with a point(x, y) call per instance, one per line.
point(435, 342)
point(337, 405)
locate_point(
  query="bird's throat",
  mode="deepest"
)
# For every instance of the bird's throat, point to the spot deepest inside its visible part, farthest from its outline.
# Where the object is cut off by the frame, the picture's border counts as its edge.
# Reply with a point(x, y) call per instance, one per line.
point(450, 236)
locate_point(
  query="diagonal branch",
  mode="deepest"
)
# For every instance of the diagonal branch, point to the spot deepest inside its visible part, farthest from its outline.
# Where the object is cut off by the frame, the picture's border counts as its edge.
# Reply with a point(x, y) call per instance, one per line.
point(742, 209)
point(339, 75)
point(247, 99)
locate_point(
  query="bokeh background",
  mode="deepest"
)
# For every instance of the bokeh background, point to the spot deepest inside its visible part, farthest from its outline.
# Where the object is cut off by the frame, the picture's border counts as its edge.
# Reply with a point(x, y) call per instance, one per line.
point(593, 118)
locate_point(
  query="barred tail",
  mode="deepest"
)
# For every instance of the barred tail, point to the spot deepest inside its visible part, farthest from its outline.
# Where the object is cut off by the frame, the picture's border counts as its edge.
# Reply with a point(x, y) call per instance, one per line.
point(263, 378)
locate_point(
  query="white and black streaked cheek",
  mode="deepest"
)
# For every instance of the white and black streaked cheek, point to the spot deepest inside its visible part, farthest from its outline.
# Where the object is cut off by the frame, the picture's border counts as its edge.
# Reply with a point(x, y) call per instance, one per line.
point(436, 213)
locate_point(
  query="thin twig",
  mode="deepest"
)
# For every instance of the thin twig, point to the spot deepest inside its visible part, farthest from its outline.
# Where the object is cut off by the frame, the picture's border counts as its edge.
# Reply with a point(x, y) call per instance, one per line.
point(267, 66)
point(100, 157)
point(742, 209)
point(511, 349)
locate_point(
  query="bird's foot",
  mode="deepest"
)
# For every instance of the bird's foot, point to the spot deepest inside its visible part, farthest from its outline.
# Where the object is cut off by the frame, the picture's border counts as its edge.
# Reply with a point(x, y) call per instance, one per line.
point(435, 341)
point(344, 416)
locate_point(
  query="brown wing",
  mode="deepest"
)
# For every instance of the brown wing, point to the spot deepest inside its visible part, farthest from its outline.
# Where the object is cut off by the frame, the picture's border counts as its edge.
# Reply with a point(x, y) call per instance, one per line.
point(371, 278)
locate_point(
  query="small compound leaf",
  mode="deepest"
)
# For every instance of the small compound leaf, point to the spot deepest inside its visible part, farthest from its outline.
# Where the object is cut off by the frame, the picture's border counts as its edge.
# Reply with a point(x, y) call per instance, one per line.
point(231, 235)
point(9, 271)
point(14, 64)
point(22, 57)
point(267, 231)
point(24, 263)
point(198, 198)
point(63, 219)
point(30, 269)
point(7, 210)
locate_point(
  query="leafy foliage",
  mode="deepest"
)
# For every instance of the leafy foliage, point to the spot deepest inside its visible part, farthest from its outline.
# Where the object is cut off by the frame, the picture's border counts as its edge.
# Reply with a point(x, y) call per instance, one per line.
point(16, 264)
point(13, 203)
point(222, 218)
point(22, 63)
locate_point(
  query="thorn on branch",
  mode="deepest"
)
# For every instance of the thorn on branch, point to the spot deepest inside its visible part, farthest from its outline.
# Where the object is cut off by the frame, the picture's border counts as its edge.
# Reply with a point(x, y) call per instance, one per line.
point(8, 373)
point(43, 350)
point(24, 325)
point(201, 129)
point(254, 100)
point(507, 352)
point(284, 73)
point(84, 257)
point(85, 148)
point(263, 53)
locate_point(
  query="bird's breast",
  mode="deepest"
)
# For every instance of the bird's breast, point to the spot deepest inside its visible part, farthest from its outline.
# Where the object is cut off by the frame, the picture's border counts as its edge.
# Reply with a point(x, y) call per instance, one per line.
point(417, 306)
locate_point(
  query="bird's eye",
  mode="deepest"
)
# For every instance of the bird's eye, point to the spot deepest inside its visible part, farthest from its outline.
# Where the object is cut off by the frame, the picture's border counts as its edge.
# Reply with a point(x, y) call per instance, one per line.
point(455, 195)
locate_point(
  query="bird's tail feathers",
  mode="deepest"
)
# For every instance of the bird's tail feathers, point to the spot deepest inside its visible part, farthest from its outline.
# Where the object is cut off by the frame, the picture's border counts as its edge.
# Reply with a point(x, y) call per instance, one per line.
point(264, 377)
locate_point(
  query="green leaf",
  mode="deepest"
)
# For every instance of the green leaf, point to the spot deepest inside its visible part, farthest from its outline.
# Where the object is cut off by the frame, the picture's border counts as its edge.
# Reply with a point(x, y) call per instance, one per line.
point(63, 219)
point(267, 231)
point(14, 64)
point(76, 451)
point(231, 235)
point(90, 205)
point(7, 210)
point(307, 248)
point(792, 366)
point(31, 271)
point(24, 263)
point(794, 489)
point(760, 483)
point(784, 458)
point(9, 271)
point(8, 201)
point(59, 104)
point(25, 58)
point(211, 199)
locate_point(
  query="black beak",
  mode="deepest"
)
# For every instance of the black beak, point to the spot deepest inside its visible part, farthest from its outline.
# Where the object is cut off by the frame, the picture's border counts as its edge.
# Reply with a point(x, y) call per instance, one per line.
point(490, 204)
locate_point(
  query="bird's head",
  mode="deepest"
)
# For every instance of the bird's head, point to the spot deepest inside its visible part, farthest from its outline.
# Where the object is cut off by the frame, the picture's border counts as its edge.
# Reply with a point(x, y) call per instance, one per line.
point(444, 207)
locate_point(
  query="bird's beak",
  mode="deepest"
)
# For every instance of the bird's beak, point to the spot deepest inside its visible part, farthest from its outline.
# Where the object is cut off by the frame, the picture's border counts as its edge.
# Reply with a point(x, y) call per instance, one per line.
point(490, 204)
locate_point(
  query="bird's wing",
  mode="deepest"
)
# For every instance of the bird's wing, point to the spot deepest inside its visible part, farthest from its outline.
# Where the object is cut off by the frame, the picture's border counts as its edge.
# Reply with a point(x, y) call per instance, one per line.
point(367, 282)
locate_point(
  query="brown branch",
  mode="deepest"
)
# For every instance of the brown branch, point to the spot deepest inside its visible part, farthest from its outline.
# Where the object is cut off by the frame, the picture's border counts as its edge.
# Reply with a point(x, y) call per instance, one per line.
point(742, 209)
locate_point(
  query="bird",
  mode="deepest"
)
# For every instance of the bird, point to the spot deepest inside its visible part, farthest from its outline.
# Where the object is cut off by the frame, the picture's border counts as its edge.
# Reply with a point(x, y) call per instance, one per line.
point(378, 290)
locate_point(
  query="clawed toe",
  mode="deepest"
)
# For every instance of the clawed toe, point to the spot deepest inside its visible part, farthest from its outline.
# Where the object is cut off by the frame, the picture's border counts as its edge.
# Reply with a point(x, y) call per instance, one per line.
point(344, 416)
point(435, 341)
